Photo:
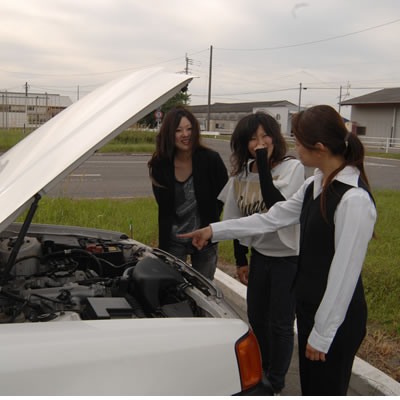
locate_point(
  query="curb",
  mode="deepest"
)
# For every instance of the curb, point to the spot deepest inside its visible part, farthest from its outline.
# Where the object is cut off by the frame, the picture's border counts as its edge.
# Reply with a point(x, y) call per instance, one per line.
point(366, 380)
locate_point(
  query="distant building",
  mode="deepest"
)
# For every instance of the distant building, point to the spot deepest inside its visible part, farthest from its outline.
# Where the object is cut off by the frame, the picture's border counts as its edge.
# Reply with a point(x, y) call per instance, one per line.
point(376, 114)
point(18, 110)
point(225, 116)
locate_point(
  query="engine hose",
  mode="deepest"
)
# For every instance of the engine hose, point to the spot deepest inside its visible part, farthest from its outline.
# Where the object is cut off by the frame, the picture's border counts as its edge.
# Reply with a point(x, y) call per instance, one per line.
point(11, 296)
point(138, 310)
point(72, 252)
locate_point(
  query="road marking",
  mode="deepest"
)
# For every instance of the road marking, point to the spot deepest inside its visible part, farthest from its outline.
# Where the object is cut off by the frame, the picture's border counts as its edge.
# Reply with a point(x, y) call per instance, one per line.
point(380, 165)
point(84, 175)
point(116, 162)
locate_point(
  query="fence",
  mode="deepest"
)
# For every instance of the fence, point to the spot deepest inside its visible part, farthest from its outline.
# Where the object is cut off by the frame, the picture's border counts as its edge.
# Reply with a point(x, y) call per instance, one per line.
point(388, 145)
point(378, 144)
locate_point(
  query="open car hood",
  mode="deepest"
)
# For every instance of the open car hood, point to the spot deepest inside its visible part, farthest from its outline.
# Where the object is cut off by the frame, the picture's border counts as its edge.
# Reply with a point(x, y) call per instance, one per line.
point(50, 153)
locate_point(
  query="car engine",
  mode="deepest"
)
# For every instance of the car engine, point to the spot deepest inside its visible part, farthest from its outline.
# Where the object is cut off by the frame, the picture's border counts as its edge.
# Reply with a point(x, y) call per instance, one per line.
point(71, 277)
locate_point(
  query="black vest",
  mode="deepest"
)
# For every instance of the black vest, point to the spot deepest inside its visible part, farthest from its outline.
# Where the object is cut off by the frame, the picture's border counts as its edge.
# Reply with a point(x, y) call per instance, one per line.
point(317, 244)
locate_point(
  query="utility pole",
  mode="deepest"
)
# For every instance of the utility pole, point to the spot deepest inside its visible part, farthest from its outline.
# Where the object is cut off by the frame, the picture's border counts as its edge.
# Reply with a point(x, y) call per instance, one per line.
point(6, 111)
point(209, 89)
point(188, 61)
point(340, 98)
point(77, 93)
point(47, 107)
point(3, 106)
point(301, 86)
point(37, 112)
point(26, 107)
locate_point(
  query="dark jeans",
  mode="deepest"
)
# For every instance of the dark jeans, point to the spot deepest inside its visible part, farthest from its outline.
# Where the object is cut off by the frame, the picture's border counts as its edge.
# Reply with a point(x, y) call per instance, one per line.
point(204, 260)
point(271, 312)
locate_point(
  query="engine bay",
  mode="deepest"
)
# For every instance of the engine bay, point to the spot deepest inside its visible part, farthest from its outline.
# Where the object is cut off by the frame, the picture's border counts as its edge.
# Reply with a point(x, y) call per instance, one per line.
point(72, 277)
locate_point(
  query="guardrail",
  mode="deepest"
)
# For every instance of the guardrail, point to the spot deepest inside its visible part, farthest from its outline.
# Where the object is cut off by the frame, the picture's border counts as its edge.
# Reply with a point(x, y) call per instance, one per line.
point(388, 145)
point(210, 133)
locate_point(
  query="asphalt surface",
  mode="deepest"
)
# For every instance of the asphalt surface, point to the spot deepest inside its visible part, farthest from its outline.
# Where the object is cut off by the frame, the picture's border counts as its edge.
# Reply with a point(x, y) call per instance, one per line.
point(126, 175)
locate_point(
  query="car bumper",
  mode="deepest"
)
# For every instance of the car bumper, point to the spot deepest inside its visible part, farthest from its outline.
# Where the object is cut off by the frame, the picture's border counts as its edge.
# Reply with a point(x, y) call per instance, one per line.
point(258, 390)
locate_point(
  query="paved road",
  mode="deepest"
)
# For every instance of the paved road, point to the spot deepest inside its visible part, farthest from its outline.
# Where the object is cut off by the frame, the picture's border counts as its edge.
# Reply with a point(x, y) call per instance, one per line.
point(126, 176)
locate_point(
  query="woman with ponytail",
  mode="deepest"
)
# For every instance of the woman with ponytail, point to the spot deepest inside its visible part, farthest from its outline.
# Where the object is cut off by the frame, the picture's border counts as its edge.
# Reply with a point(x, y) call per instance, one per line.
point(337, 215)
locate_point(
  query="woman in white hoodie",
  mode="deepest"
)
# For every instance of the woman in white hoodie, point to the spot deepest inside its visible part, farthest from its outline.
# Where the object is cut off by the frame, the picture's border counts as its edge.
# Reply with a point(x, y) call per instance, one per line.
point(262, 175)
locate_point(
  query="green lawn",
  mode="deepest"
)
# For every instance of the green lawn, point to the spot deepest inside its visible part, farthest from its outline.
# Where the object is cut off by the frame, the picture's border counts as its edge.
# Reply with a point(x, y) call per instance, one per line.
point(381, 271)
point(131, 141)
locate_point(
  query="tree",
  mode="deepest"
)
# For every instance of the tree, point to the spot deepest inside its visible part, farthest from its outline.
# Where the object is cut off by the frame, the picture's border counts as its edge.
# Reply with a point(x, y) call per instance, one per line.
point(180, 99)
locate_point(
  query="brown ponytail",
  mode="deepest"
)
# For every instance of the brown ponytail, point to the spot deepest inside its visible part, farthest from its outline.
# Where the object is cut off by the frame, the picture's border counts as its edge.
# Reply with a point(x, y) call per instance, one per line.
point(323, 124)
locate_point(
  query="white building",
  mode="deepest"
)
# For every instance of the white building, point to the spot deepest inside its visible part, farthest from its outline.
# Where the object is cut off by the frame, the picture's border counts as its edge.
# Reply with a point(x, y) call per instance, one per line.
point(18, 110)
point(376, 114)
point(225, 116)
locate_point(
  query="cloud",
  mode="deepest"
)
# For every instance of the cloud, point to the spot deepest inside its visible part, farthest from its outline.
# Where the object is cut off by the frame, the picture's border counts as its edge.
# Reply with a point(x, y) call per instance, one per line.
point(65, 43)
point(298, 6)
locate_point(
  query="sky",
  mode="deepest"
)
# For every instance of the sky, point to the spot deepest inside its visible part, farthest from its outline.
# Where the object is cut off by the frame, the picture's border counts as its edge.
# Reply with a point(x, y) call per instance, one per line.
point(262, 50)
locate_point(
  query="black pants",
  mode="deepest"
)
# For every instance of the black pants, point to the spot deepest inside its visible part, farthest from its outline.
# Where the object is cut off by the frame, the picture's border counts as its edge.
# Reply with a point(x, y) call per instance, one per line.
point(271, 310)
point(332, 377)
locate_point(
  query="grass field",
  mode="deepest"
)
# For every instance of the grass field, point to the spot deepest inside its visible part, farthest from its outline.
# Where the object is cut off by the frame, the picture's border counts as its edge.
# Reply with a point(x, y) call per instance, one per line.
point(381, 270)
point(130, 141)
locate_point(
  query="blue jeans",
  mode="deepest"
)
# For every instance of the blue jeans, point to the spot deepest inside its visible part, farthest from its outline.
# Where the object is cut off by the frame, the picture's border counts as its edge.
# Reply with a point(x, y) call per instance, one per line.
point(271, 312)
point(204, 260)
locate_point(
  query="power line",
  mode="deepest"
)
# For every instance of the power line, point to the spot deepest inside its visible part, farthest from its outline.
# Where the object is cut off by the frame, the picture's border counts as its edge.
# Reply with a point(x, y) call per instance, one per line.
point(256, 92)
point(62, 87)
point(314, 41)
point(285, 90)
point(105, 72)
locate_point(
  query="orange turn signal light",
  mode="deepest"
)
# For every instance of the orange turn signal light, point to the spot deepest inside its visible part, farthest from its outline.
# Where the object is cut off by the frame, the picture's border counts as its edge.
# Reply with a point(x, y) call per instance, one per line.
point(249, 360)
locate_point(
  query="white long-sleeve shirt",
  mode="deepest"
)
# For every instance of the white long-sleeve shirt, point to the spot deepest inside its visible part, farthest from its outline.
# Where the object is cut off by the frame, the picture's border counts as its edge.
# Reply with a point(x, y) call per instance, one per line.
point(354, 220)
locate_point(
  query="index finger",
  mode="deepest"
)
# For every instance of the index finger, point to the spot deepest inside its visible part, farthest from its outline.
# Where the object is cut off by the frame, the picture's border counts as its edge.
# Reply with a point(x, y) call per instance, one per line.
point(186, 235)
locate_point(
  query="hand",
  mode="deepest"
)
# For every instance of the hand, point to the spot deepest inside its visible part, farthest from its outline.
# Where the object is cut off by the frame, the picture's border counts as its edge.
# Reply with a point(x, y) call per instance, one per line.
point(243, 274)
point(314, 354)
point(199, 238)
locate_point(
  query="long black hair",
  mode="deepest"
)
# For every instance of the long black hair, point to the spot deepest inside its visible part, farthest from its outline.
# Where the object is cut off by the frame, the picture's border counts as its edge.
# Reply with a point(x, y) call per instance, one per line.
point(244, 131)
point(165, 139)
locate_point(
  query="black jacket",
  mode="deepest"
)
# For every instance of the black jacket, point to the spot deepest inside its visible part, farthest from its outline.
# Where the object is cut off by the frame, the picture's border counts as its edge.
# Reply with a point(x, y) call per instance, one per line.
point(209, 176)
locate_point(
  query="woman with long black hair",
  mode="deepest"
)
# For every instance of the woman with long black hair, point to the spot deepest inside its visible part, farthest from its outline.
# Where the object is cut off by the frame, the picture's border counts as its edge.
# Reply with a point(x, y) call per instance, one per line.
point(186, 179)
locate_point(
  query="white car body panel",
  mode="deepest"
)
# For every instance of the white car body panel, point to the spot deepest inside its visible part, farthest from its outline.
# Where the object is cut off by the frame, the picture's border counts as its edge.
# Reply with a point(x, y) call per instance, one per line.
point(50, 153)
point(121, 357)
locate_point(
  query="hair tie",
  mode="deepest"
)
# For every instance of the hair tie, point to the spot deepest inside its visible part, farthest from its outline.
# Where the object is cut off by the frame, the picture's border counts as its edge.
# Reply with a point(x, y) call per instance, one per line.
point(346, 139)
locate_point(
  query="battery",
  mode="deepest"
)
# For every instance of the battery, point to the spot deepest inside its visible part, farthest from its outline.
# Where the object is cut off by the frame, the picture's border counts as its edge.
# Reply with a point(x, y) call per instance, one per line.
point(108, 308)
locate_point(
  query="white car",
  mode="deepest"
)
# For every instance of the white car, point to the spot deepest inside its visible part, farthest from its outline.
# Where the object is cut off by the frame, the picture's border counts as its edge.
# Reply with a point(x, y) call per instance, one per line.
point(92, 312)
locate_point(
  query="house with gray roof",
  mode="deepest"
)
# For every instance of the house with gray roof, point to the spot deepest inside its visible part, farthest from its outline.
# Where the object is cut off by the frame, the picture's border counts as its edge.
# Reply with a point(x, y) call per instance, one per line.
point(376, 114)
point(225, 116)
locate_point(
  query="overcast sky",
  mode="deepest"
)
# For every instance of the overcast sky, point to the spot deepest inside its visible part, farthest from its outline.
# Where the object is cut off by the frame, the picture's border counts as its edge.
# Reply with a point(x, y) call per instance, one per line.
point(262, 49)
